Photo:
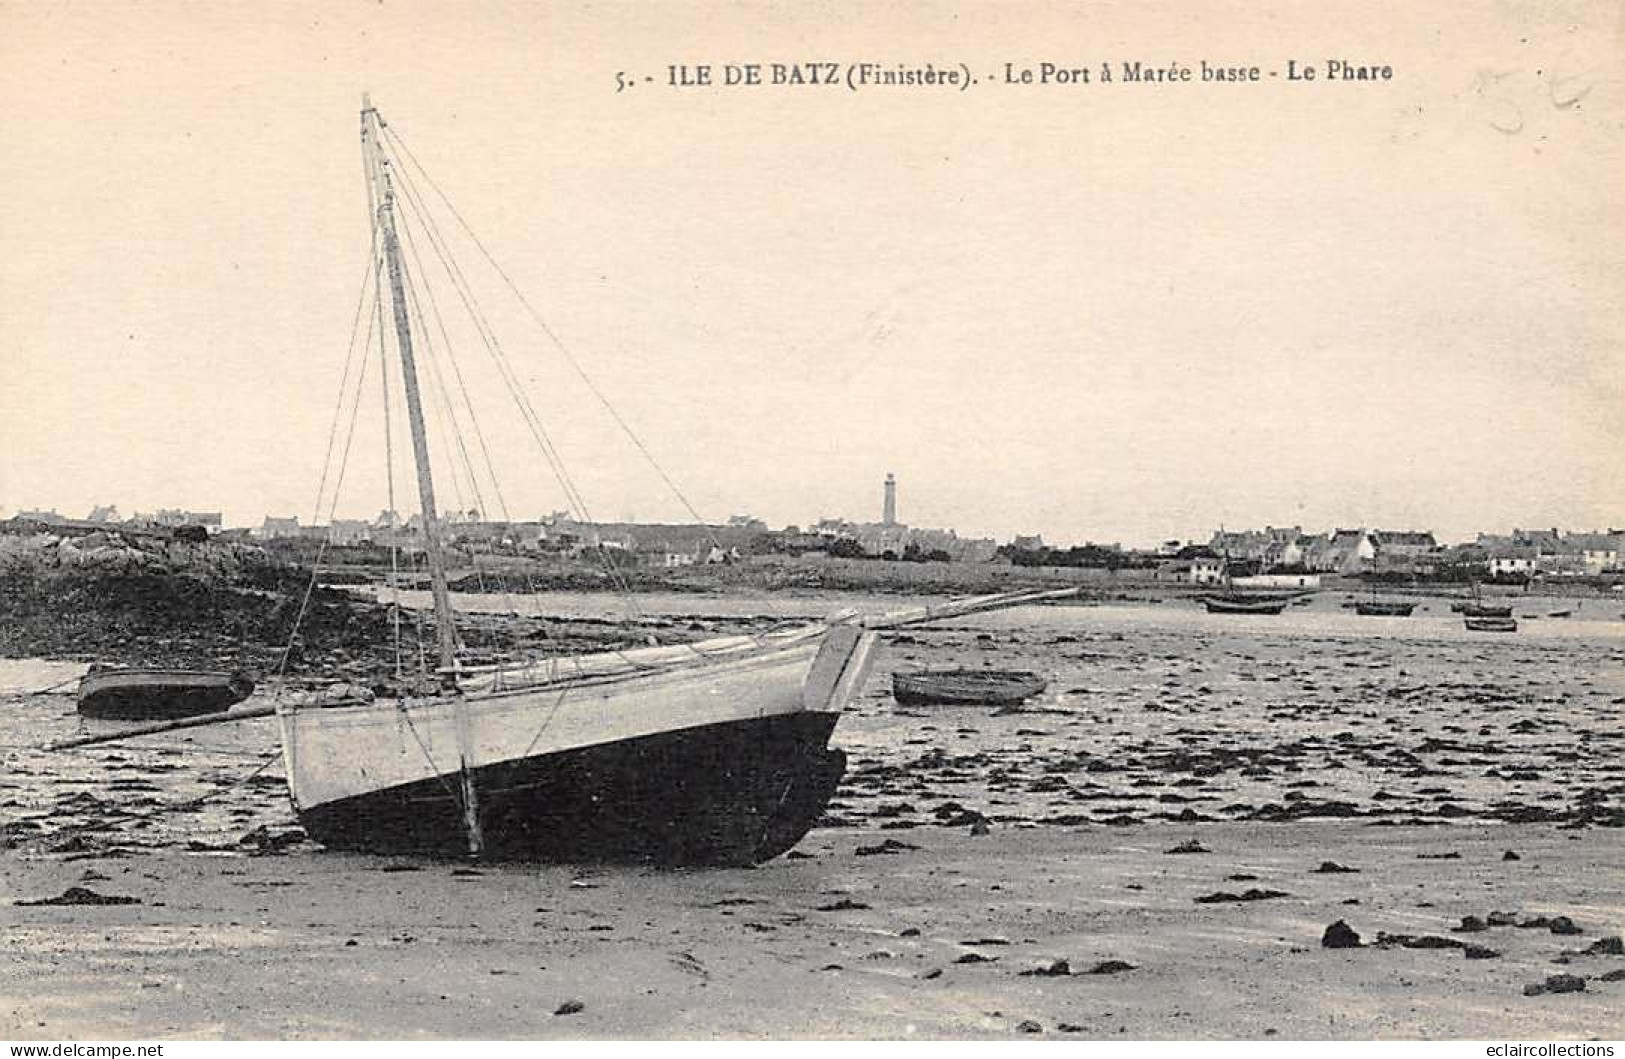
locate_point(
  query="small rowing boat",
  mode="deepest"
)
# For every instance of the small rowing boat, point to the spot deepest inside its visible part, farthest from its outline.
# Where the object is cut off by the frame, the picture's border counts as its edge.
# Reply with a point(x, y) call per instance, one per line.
point(1384, 608)
point(966, 687)
point(1492, 624)
point(139, 694)
point(1244, 603)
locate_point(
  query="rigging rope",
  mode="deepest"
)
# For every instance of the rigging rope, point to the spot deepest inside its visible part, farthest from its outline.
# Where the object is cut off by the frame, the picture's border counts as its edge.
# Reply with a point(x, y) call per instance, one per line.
point(451, 355)
point(395, 137)
point(344, 381)
point(508, 375)
point(445, 412)
point(361, 377)
point(479, 433)
point(457, 371)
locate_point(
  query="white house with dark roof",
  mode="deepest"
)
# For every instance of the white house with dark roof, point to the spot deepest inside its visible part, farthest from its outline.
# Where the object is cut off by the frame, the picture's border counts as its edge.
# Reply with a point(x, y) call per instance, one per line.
point(1513, 560)
point(1599, 553)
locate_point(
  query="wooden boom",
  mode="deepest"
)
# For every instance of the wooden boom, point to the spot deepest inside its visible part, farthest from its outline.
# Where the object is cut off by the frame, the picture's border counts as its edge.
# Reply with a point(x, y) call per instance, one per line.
point(958, 608)
point(165, 726)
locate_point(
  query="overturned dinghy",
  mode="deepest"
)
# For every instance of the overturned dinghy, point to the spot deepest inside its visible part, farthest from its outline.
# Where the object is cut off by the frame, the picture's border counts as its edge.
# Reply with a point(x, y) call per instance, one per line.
point(966, 687)
point(139, 694)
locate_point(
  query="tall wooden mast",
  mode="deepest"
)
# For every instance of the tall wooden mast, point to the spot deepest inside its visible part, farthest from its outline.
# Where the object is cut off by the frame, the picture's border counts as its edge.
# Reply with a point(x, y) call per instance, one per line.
point(384, 204)
point(383, 201)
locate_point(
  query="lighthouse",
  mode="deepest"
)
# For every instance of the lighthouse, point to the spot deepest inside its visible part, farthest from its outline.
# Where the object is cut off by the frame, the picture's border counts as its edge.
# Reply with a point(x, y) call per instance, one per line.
point(888, 509)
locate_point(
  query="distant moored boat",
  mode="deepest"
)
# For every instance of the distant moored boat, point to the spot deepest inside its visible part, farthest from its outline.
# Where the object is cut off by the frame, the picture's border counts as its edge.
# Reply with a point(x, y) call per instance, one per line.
point(1384, 608)
point(1244, 603)
point(1475, 607)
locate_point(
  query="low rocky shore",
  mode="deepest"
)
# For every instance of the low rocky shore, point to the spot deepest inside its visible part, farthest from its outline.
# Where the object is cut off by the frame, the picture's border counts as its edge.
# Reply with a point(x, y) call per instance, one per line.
point(201, 619)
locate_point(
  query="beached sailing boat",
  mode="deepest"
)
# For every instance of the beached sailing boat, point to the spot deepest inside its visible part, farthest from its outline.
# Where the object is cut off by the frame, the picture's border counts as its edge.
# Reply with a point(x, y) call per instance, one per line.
point(715, 752)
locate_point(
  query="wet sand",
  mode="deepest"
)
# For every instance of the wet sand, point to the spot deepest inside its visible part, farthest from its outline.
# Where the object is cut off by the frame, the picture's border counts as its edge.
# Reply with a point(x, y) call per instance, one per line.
point(1382, 745)
point(932, 941)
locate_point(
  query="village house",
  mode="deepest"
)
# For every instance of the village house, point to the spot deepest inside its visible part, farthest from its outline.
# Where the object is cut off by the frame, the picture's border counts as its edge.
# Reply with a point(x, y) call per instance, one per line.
point(1524, 553)
point(274, 528)
point(894, 538)
point(672, 554)
point(1287, 550)
point(347, 531)
point(1270, 547)
point(1240, 544)
point(174, 518)
point(1567, 559)
point(1599, 553)
point(1408, 544)
point(1512, 561)
point(1345, 551)
point(1207, 571)
point(1176, 571)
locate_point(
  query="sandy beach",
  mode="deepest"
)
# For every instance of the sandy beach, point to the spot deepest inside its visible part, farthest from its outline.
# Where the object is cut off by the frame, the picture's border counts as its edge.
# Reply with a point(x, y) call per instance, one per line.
point(1454, 775)
point(938, 940)
point(1054, 521)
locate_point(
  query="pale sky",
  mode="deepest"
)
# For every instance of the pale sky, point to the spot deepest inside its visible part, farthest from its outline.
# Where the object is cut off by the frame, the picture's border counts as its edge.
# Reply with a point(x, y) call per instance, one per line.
point(1108, 312)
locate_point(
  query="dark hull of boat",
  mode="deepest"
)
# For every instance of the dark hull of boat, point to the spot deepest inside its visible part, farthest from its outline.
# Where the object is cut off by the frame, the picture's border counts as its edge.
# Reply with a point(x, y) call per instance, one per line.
point(155, 695)
point(1242, 605)
point(1483, 610)
point(968, 688)
point(1492, 625)
point(736, 793)
point(1377, 609)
